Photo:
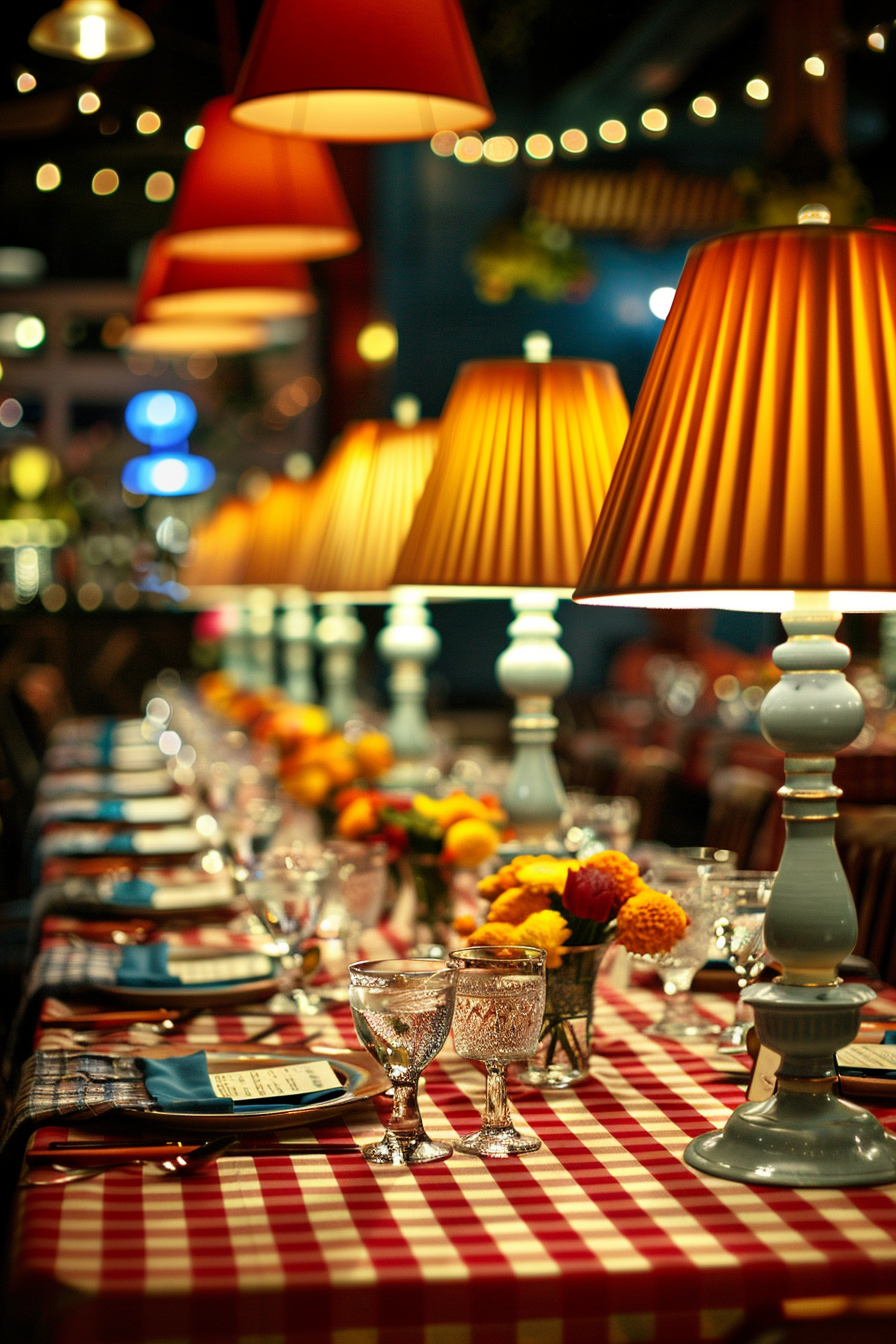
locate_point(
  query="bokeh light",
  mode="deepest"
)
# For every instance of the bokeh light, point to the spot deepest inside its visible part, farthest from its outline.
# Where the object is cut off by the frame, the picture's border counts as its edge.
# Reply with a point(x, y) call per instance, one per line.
point(443, 143)
point(468, 149)
point(539, 147)
point(30, 332)
point(159, 187)
point(194, 136)
point(104, 182)
point(500, 149)
point(377, 342)
point(877, 39)
point(89, 102)
point(704, 107)
point(26, 81)
point(660, 301)
point(815, 66)
point(48, 177)
point(148, 123)
point(574, 141)
point(10, 412)
point(654, 121)
point(612, 132)
point(758, 89)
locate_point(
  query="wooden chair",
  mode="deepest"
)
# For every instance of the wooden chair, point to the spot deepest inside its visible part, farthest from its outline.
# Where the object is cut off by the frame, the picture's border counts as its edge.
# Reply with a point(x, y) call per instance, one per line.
point(739, 800)
point(866, 839)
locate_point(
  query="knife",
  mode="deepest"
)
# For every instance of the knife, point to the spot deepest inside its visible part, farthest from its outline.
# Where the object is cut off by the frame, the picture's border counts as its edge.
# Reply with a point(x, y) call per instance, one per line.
point(90, 1154)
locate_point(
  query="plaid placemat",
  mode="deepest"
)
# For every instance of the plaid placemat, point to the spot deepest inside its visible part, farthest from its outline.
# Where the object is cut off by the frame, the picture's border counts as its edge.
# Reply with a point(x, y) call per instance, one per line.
point(73, 1084)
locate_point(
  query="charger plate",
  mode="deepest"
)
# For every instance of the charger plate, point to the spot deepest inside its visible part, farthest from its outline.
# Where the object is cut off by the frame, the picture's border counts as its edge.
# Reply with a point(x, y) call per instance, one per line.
point(868, 1086)
point(192, 996)
point(357, 1071)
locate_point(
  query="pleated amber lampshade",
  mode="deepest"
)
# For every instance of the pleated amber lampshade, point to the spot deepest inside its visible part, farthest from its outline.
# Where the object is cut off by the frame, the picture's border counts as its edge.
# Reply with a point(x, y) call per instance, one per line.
point(352, 70)
point(248, 195)
point(172, 288)
point(281, 534)
point(761, 458)
point(218, 547)
point(525, 459)
point(374, 481)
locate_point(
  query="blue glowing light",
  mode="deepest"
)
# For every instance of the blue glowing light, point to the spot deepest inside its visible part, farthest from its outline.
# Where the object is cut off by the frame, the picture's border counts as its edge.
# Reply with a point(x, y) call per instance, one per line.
point(168, 472)
point(161, 419)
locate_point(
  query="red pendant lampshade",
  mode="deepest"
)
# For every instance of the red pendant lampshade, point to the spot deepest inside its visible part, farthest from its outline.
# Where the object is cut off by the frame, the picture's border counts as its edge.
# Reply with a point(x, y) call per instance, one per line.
point(176, 287)
point(357, 70)
point(246, 195)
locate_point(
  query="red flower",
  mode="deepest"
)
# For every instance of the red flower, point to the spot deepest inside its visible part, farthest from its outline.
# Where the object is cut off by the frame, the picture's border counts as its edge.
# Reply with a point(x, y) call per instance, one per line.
point(591, 893)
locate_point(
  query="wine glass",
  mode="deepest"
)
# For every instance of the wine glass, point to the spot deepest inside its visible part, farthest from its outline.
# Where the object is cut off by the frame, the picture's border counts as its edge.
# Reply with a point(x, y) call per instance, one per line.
point(497, 1019)
point(402, 1012)
point(677, 968)
point(739, 936)
point(285, 891)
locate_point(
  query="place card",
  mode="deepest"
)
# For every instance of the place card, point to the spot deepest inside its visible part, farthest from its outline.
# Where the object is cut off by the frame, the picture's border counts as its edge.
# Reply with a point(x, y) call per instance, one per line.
point(868, 1058)
point(288, 1080)
point(212, 970)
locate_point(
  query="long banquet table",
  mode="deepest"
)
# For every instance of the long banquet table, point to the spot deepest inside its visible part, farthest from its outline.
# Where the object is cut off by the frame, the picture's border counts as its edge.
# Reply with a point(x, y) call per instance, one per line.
point(603, 1235)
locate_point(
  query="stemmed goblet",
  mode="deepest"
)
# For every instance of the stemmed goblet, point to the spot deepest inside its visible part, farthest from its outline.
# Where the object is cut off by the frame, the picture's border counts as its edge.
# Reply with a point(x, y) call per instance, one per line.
point(285, 891)
point(402, 1011)
point(703, 905)
point(739, 937)
point(497, 1020)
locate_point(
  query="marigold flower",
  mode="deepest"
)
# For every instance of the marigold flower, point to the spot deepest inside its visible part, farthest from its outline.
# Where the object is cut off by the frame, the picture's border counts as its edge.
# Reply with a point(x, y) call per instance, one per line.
point(309, 785)
point(517, 904)
point(495, 935)
point(546, 929)
point(359, 818)
point(544, 874)
point(464, 924)
point(621, 869)
point(374, 755)
point(502, 880)
point(650, 922)
point(460, 807)
point(469, 842)
point(426, 806)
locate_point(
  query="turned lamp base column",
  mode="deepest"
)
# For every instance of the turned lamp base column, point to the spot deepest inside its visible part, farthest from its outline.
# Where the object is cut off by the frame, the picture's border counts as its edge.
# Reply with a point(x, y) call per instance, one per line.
point(805, 1135)
point(296, 631)
point(340, 636)
point(534, 670)
point(408, 643)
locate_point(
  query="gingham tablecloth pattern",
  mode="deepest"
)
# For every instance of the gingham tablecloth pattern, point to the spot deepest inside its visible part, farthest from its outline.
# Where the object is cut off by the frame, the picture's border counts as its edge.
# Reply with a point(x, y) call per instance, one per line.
point(602, 1236)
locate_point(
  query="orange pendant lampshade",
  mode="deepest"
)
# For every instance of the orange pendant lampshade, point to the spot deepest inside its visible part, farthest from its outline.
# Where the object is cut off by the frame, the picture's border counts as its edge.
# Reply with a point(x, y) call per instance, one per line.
point(216, 336)
point(375, 478)
point(526, 455)
point(249, 196)
point(281, 534)
point(175, 288)
point(218, 546)
point(356, 70)
point(761, 458)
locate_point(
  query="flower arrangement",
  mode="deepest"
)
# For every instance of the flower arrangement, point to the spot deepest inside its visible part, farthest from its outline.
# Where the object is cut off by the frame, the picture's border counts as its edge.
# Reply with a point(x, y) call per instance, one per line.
point(437, 835)
point(540, 901)
point(571, 908)
point(314, 762)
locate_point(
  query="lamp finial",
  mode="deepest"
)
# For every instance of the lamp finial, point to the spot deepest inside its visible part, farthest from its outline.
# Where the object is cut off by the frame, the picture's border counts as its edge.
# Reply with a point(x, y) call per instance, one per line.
point(815, 213)
point(537, 346)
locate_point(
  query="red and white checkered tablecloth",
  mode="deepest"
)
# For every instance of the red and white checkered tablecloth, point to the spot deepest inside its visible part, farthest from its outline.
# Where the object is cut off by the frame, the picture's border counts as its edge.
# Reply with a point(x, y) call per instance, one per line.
point(602, 1236)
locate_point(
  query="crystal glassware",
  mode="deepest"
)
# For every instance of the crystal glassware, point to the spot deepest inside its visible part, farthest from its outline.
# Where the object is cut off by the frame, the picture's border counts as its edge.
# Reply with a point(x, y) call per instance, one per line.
point(677, 968)
point(592, 823)
point(285, 891)
point(402, 1011)
point(497, 1020)
point(739, 938)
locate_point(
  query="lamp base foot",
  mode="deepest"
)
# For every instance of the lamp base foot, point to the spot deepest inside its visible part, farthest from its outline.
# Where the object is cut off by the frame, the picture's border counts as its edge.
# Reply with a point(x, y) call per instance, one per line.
point(798, 1139)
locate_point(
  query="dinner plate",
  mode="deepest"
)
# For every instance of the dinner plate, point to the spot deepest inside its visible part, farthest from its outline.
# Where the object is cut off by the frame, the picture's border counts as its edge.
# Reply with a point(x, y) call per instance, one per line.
point(357, 1071)
point(853, 1086)
point(191, 996)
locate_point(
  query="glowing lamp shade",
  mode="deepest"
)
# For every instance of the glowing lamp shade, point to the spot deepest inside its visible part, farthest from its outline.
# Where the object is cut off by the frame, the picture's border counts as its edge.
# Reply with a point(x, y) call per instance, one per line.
point(168, 472)
point(375, 478)
point(524, 462)
point(91, 30)
point(217, 554)
point(246, 195)
point(352, 70)
point(175, 288)
point(161, 419)
point(216, 336)
point(761, 459)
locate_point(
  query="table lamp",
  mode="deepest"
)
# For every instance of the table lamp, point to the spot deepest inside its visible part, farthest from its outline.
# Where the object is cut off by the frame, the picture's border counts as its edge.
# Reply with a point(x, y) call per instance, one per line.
point(374, 480)
point(759, 474)
point(526, 451)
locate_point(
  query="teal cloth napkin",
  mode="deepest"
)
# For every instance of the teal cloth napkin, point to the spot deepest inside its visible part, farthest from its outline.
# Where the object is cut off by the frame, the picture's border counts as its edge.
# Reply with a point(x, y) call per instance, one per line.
point(146, 967)
point(132, 891)
point(183, 1084)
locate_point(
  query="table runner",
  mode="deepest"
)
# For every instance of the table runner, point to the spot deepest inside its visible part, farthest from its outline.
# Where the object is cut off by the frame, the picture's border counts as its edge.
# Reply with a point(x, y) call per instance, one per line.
point(603, 1235)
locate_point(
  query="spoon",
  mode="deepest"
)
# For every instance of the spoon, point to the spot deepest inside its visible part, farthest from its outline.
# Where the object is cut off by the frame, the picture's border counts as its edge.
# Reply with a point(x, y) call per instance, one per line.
point(181, 1165)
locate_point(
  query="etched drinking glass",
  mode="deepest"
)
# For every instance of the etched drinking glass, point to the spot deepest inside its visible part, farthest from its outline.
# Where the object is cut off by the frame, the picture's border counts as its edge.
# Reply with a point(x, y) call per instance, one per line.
point(497, 1020)
point(739, 934)
point(402, 1011)
point(285, 891)
point(680, 1018)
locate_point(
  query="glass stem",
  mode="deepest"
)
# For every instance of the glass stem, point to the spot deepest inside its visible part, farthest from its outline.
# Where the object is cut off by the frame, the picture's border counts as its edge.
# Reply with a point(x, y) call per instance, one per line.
point(405, 1119)
point(496, 1114)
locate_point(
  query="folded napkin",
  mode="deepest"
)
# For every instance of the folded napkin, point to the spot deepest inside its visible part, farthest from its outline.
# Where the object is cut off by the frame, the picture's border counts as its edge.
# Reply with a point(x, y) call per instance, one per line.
point(132, 891)
point(183, 1084)
point(146, 967)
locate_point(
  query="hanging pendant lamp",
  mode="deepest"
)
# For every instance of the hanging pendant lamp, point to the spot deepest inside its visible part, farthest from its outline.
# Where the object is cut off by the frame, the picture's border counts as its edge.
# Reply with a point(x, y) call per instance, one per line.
point(91, 30)
point(352, 70)
point(175, 288)
point(206, 335)
point(249, 196)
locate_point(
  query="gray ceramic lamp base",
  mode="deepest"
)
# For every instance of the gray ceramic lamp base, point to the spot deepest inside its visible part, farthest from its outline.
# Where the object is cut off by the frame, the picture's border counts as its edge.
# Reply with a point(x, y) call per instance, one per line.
point(798, 1140)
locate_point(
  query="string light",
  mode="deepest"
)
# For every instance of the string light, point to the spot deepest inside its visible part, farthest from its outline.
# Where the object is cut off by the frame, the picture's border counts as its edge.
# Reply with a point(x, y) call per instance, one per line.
point(104, 182)
point(88, 103)
point(612, 132)
point(194, 136)
point(757, 90)
point(468, 149)
point(48, 177)
point(815, 66)
point(704, 107)
point(654, 121)
point(148, 123)
point(377, 343)
point(159, 187)
point(877, 38)
point(500, 149)
point(574, 141)
point(443, 143)
point(26, 81)
point(660, 301)
point(539, 146)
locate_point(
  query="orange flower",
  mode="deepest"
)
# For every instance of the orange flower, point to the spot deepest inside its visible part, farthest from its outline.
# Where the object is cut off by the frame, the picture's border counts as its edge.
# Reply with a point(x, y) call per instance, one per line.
point(517, 904)
point(544, 874)
point(309, 785)
point(359, 818)
point(650, 922)
point(464, 924)
point(374, 755)
point(460, 807)
point(469, 842)
point(494, 935)
point(546, 929)
point(502, 880)
point(623, 871)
